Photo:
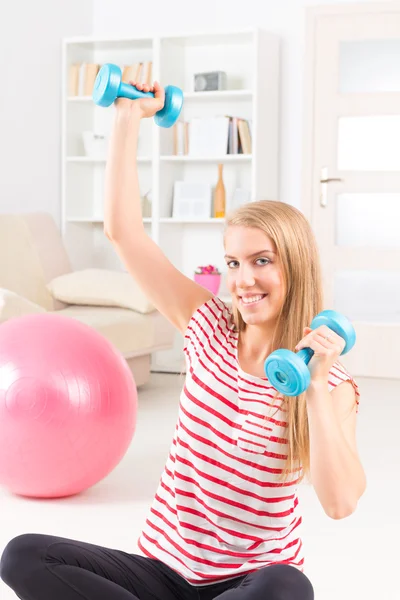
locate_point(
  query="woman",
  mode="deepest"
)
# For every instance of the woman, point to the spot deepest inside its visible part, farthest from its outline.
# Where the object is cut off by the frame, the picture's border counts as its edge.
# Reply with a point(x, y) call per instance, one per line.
point(225, 521)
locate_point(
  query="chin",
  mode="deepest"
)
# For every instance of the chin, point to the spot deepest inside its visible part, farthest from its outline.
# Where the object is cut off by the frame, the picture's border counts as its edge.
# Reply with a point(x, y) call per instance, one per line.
point(265, 317)
point(254, 319)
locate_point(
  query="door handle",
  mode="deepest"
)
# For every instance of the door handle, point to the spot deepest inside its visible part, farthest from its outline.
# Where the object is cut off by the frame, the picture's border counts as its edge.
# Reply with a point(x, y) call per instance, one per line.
point(324, 180)
point(330, 179)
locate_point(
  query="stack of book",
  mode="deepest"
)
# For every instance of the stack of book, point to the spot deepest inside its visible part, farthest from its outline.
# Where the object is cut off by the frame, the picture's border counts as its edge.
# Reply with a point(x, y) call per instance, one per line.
point(213, 136)
point(82, 76)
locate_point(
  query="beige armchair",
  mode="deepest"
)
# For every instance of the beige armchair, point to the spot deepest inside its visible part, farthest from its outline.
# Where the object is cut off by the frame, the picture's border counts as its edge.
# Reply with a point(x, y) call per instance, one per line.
point(36, 276)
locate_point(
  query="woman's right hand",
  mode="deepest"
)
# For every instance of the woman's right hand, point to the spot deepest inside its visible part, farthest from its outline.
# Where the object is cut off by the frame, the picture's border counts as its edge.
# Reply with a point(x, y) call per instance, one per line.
point(147, 106)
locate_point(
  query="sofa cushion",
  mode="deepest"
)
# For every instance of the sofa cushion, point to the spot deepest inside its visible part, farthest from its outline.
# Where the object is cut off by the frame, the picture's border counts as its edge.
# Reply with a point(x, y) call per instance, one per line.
point(13, 305)
point(129, 331)
point(100, 287)
point(21, 270)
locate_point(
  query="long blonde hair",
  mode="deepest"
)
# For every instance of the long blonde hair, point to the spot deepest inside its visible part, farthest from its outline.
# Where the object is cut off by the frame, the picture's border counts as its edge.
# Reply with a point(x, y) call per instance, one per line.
point(298, 255)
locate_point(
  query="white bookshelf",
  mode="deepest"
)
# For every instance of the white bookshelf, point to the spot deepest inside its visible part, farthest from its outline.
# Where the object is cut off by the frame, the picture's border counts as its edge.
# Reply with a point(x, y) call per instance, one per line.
point(250, 58)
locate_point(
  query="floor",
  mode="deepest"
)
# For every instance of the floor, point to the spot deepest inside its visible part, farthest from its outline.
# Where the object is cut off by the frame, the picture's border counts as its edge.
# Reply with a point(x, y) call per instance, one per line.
point(351, 559)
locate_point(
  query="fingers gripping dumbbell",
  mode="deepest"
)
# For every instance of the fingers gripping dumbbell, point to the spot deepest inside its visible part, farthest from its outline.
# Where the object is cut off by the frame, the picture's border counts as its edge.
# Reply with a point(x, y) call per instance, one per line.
point(108, 86)
point(288, 371)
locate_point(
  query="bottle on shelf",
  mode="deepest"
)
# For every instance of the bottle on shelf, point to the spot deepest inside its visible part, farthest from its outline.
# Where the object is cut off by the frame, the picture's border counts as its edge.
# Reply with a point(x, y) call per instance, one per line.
point(219, 196)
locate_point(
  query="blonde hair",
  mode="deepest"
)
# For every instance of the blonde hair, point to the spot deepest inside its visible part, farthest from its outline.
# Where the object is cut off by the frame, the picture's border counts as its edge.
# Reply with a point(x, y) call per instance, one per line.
point(299, 260)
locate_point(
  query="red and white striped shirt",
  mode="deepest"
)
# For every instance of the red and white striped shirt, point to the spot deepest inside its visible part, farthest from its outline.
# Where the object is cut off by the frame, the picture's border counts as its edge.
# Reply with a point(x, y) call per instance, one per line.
point(220, 510)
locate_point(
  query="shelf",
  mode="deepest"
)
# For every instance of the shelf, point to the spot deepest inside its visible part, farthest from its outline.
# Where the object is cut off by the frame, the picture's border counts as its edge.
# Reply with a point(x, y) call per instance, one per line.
point(110, 42)
point(173, 221)
point(250, 59)
point(213, 38)
point(219, 95)
point(96, 220)
point(90, 159)
point(80, 99)
point(226, 158)
point(203, 96)
point(167, 220)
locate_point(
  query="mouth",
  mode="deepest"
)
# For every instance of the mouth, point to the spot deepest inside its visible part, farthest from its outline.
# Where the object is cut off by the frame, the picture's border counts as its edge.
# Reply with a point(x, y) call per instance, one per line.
point(252, 300)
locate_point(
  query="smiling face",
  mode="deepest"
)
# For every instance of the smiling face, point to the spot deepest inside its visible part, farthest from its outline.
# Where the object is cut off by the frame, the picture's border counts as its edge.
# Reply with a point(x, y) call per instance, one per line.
point(254, 276)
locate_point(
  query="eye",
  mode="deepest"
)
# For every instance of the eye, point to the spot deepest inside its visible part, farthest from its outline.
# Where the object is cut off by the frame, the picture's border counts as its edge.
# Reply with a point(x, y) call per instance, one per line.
point(263, 261)
point(232, 264)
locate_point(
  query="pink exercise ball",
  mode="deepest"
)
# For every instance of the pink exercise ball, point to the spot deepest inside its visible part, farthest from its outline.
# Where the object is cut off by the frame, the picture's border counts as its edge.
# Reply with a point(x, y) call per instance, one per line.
point(68, 405)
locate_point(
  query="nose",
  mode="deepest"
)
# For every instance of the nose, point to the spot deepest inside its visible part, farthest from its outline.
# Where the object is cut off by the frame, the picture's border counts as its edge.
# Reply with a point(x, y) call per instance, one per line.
point(245, 277)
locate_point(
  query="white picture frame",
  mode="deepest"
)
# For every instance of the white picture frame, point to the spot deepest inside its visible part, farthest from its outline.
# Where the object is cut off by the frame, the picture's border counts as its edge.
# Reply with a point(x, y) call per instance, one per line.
point(192, 200)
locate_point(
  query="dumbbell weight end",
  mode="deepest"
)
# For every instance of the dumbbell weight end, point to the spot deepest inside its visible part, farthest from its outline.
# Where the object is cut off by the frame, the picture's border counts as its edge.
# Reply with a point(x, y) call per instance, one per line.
point(287, 371)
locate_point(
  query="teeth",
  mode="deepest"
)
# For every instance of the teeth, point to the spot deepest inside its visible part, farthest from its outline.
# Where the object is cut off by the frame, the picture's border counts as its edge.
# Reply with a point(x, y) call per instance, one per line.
point(252, 299)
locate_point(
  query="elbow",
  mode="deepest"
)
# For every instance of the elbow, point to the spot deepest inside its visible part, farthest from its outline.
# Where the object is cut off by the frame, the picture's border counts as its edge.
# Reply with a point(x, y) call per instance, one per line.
point(348, 506)
point(340, 512)
point(344, 509)
point(111, 233)
point(119, 232)
point(107, 233)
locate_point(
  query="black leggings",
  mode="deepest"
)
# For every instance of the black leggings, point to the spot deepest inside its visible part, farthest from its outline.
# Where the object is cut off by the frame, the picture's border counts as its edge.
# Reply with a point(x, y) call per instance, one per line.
point(44, 567)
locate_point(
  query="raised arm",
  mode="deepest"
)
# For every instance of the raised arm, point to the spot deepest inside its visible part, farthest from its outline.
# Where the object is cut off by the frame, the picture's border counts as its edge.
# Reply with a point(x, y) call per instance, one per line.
point(172, 293)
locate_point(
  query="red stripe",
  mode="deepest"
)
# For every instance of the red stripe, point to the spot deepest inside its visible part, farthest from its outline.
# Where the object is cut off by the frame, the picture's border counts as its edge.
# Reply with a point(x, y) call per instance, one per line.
point(263, 385)
point(229, 501)
point(230, 486)
point(287, 560)
point(207, 407)
point(269, 419)
point(211, 461)
point(229, 469)
point(232, 532)
point(262, 402)
point(197, 513)
point(192, 557)
point(268, 438)
point(261, 446)
point(340, 368)
point(213, 549)
point(215, 578)
point(222, 417)
point(218, 513)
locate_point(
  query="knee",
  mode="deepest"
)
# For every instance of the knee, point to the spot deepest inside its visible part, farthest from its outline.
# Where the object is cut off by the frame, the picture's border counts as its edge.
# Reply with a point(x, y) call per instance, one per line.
point(18, 553)
point(286, 582)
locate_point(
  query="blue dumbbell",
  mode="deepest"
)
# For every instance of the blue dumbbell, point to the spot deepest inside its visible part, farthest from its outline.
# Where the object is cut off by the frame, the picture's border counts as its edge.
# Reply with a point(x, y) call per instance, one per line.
point(288, 371)
point(108, 86)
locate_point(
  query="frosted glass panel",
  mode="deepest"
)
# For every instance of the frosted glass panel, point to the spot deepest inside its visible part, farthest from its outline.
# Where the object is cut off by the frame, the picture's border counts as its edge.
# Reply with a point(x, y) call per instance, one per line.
point(368, 220)
point(369, 66)
point(368, 295)
point(369, 143)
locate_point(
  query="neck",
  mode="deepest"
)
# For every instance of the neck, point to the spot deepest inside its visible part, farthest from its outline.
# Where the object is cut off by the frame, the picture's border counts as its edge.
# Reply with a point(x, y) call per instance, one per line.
point(256, 342)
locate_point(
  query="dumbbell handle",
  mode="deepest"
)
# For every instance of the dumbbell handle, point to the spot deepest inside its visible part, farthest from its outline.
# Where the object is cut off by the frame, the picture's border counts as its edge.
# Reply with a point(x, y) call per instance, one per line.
point(126, 90)
point(305, 354)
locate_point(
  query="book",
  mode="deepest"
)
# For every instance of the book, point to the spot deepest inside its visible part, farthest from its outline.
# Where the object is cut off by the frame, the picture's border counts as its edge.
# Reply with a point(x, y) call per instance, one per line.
point(245, 137)
point(90, 75)
point(73, 79)
point(208, 136)
point(131, 72)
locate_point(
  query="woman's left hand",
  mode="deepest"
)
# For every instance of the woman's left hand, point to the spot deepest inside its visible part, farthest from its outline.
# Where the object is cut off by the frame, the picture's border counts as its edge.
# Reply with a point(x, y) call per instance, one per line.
point(327, 346)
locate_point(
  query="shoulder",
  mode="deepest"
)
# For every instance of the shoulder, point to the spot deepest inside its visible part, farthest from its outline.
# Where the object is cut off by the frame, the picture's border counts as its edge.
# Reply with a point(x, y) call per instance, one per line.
point(208, 316)
point(212, 318)
point(339, 375)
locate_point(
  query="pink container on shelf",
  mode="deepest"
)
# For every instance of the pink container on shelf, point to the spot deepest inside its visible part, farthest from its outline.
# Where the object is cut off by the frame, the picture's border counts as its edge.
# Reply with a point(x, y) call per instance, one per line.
point(208, 281)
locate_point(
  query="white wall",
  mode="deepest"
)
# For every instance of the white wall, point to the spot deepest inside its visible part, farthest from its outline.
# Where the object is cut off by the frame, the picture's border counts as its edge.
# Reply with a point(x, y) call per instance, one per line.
point(285, 18)
point(30, 66)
